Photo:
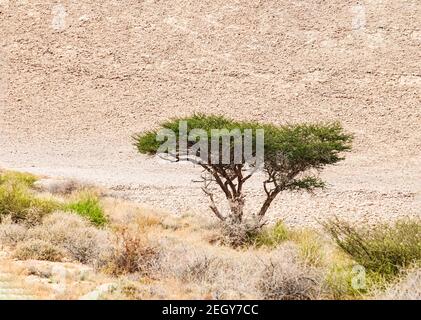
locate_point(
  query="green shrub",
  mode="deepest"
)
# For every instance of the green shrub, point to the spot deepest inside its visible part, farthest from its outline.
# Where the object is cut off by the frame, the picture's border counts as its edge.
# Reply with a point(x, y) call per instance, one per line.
point(25, 179)
point(339, 283)
point(88, 205)
point(310, 246)
point(21, 205)
point(14, 201)
point(383, 249)
point(271, 236)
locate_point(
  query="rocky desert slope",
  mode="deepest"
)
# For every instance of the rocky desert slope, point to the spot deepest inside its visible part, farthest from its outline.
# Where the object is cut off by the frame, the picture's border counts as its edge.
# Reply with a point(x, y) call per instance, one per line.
point(78, 78)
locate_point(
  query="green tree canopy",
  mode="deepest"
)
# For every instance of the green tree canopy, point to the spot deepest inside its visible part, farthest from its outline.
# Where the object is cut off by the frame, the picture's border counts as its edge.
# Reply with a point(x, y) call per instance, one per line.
point(291, 154)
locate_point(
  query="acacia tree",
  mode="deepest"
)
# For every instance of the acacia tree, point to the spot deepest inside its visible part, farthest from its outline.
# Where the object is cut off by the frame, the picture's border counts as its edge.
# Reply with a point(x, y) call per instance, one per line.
point(292, 155)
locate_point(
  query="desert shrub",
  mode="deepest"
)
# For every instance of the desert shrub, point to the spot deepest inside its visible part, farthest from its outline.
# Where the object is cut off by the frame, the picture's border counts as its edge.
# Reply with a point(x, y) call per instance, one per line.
point(239, 234)
point(183, 260)
point(142, 221)
point(339, 283)
point(202, 268)
point(383, 249)
point(38, 250)
point(25, 179)
point(15, 201)
point(250, 233)
point(131, 253)
point(221, 272)
point(310, 247)
point(12, 233)
point(78, 239)
point(88, 205)
point(286, 281)
point(60, 187)
point(213, 274)
point(271, 236)
point(408, 287)
point(20, 204)
point(131, 290)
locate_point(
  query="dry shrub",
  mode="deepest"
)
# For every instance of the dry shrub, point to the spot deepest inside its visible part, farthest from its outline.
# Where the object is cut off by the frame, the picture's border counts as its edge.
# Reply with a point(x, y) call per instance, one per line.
point(130, 290)
point(187, 262)
point(239, 234)
point(190, 264)
point(286, 281)
point(408, 288)
point(55, 186)
point(38, 250)
point(12, 233)
point(140, 221)
point(76, 236)
point(33, 217)
point(224, 273)
point(198, 271)
point(131, 253)
point(283, 277)
point(202, 269)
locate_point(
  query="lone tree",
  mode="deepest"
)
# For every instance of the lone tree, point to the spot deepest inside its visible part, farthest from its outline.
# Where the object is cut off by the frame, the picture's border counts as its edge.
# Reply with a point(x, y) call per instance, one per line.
point(292, 155)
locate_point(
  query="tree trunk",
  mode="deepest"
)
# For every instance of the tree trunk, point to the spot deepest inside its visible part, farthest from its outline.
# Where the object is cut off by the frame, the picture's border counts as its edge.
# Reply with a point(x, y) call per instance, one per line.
point(237, 208)
point(266, 205)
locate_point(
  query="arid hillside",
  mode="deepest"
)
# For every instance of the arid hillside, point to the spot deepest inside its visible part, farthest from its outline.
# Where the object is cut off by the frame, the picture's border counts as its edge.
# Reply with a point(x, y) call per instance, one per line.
point(78, 78)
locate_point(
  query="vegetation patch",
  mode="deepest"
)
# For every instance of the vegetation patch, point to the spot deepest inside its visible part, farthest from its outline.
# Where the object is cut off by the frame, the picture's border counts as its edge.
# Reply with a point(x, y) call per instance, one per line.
point(38, 250)
point(88, 205)
point(289, 282)
point(271, 236)
point(14, 177)
point(20, 204)
point(339, 282)
point(383, 249)
point(267, 261)
point(131, 253)
point(310, 246)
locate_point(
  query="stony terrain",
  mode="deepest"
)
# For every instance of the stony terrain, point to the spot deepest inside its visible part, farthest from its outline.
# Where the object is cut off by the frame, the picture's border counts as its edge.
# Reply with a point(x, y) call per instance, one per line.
point(78, 78)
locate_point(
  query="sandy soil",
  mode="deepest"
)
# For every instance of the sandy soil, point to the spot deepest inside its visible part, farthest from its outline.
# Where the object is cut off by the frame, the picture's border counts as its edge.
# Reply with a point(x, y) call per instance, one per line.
point(78, 78)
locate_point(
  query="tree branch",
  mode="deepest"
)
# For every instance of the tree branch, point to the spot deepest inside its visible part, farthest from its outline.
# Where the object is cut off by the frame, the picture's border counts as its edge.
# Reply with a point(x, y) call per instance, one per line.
point(218, 181)
point(213, 206)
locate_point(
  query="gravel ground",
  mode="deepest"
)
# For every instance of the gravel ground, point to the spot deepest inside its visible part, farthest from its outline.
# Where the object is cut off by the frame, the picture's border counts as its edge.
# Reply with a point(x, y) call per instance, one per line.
point(78, 78)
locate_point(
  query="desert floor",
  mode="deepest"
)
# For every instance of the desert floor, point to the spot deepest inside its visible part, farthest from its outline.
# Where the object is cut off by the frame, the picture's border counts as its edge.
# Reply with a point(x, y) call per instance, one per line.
point(78, 78)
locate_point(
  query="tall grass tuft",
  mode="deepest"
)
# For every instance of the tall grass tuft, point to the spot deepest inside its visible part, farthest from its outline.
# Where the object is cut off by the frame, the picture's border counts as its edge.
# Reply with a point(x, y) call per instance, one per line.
point(25, 179)
point(20, 204)
point(271, 236)
point(88, 205)
point(383, 249)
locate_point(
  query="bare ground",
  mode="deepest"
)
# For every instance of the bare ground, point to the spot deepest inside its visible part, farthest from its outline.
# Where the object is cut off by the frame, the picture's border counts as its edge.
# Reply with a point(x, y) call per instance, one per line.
point(78, 78)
